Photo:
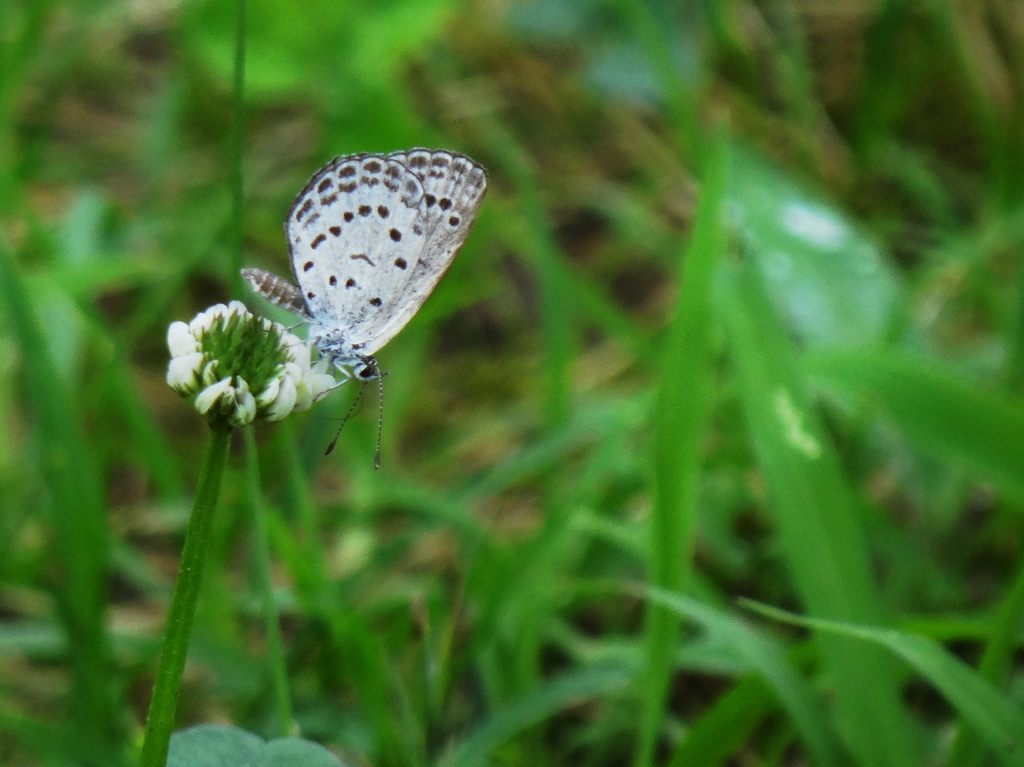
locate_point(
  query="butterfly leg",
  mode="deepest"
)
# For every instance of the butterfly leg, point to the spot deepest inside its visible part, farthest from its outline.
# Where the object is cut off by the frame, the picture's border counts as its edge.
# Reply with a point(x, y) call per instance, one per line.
point(325, 392)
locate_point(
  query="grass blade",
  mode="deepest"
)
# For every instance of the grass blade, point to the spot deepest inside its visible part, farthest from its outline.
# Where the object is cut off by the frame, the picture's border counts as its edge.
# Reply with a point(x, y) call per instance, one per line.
point(944, 414)
point(815, 511)
point(532, 708)
point(994, 716)
point(681, 416)
point(77, 516)
point(764, 657)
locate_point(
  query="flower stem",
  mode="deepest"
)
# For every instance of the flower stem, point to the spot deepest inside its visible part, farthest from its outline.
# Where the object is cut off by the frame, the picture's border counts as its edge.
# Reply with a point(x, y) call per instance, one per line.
point(160, 722)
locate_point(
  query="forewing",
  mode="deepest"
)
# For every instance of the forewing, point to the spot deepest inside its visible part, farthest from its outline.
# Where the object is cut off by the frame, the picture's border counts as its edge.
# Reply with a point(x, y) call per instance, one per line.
point(349, 233)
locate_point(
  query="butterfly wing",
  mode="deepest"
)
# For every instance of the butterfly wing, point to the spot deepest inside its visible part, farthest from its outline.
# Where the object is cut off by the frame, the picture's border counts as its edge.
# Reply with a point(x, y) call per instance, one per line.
point(453, 188)
point(350, 233)
point(277, 290)
point(370, 236)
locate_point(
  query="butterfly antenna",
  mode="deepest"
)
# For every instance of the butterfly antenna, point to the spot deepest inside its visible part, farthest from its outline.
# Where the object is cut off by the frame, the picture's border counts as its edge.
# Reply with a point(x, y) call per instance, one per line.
point(380, 418)
point(344, 421)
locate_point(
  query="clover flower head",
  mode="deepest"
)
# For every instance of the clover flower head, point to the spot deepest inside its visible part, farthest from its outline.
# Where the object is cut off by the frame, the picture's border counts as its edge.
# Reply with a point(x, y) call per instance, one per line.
point(236, 367)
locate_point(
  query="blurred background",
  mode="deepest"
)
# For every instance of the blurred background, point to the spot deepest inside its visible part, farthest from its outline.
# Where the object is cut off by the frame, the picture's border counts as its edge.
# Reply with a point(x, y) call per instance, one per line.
point(826, 417)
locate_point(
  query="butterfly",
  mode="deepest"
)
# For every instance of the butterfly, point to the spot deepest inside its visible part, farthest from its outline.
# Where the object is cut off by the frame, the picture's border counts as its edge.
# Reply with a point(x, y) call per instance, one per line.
point(370, 237)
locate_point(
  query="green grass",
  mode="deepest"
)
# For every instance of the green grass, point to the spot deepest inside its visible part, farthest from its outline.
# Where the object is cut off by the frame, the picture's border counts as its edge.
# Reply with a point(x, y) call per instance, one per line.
point(709, 448)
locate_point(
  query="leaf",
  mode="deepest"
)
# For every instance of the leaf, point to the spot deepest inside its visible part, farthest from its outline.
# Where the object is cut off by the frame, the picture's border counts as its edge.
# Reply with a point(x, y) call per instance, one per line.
point(996, 719)
point(816, 511)
point(682, 415)
point(545, 700)
point(834, 286)
point(215, 745)
point(765, 657)
point(941, 412)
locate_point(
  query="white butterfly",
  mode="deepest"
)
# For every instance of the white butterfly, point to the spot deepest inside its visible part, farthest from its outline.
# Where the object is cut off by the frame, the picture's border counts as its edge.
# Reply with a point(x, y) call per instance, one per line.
point(370, 236)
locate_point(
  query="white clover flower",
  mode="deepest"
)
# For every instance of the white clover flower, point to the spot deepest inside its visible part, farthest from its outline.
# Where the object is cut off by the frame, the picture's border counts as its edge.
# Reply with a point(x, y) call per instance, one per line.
point(236, 367)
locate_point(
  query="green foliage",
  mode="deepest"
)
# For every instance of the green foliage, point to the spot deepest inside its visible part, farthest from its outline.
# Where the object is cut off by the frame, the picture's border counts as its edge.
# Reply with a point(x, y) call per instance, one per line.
point(830, 281)
point(991, 713)
point(740, 324)
point(211, 745)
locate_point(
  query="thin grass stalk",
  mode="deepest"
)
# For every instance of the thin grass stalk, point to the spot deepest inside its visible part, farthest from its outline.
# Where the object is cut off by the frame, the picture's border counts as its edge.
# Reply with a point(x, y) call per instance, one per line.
point(237, 128)
point(261, 548)
point(681, 416)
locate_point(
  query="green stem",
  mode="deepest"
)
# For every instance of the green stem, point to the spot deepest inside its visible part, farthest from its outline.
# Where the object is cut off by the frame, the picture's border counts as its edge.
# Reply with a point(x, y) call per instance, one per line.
point(237, 129)
point(160, 722)
point(261, 554)
point(681, 420)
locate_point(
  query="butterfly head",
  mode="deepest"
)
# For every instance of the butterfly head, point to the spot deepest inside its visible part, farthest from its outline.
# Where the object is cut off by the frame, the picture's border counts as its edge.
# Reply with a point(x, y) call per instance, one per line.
point(366, 369)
